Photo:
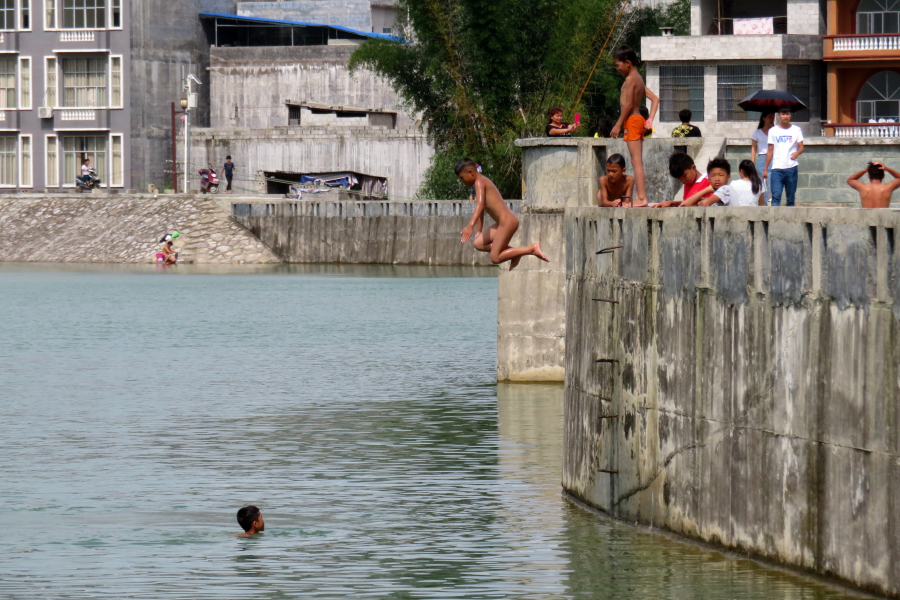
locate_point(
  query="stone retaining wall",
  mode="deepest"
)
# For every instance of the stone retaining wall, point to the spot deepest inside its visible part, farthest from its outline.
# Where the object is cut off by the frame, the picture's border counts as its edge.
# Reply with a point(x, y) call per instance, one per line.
point(122, 229)
point(732, 376)
point(365, 232)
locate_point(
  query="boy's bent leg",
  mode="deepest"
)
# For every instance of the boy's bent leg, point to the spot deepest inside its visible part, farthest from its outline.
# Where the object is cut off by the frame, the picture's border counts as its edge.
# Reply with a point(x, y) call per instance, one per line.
point(791, 176)
point(776, 179)
point(501, 252)
point(636, 150)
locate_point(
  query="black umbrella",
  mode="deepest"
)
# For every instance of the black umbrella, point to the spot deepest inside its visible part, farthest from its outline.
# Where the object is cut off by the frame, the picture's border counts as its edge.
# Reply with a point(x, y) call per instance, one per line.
point(771, 101)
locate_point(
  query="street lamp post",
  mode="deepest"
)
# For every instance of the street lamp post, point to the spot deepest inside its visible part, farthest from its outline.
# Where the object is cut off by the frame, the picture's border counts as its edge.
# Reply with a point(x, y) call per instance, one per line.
point(187, 104)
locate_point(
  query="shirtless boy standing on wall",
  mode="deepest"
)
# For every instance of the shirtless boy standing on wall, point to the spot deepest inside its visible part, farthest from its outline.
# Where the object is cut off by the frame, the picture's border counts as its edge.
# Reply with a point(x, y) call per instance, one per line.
point(633, 93)
point(496, 239)
point(876, 193)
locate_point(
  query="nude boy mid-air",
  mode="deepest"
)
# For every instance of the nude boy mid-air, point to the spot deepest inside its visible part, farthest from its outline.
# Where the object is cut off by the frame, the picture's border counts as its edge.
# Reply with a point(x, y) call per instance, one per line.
point(496, 239)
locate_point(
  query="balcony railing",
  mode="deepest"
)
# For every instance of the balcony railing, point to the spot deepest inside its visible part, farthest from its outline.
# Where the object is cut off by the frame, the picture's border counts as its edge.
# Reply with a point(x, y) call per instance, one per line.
point(864, 130)
point(862, 43)
point(78, 115)
point(76, 36)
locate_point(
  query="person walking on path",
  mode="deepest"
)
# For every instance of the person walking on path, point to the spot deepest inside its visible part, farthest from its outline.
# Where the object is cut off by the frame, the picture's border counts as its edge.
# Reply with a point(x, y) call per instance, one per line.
point(229, 174)
point(785, 146)
point(759, 147)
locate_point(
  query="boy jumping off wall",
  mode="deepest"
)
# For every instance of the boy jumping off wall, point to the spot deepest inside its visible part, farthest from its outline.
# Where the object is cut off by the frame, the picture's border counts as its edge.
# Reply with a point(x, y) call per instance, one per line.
point(633, 93)
point(496, 239)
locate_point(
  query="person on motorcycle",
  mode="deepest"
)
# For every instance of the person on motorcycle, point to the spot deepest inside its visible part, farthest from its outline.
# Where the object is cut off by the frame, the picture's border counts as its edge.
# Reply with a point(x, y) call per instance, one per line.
point(86, 171)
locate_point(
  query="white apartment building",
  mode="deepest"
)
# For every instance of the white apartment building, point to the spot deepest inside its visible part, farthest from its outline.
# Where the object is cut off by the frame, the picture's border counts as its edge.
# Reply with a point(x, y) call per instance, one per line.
point(737, 47)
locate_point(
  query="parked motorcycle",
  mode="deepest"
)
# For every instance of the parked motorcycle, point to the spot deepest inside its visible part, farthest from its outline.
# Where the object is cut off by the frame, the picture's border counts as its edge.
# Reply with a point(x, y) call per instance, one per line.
point(209, 180)
point(93, 184)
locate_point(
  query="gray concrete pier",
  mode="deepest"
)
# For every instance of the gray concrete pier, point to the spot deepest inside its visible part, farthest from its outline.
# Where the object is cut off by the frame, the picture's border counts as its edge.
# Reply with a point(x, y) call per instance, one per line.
point(365, 231)
point(732, 376)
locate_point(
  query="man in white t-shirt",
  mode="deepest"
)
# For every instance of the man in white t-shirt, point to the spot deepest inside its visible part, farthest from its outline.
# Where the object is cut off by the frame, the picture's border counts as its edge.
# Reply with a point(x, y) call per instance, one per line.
point(785, 145)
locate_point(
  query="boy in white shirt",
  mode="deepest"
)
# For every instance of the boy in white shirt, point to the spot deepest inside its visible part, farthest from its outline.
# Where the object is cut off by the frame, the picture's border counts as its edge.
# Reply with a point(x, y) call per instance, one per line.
point(785, 145)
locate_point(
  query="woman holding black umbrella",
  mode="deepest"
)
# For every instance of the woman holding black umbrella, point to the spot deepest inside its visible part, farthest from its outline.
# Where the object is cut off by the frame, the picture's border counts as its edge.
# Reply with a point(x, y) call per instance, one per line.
point(759, 146)
point(785, 142)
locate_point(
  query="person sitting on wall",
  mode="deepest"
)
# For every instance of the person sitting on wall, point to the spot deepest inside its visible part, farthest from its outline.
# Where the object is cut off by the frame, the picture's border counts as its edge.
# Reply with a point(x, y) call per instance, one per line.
point(615, 187)
point(682, 168)
point(556, 127)
point(876, 193)
point(686, 129)
point(743, 192)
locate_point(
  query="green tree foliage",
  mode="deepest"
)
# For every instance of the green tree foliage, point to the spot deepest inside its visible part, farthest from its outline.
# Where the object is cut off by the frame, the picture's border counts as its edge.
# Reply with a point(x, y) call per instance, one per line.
point(483, 73)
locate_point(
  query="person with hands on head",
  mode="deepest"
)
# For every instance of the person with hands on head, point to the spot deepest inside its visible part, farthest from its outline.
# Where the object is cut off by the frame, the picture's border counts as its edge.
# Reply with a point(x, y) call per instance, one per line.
point(556, 127)
point(876, 193)
point(615, 187)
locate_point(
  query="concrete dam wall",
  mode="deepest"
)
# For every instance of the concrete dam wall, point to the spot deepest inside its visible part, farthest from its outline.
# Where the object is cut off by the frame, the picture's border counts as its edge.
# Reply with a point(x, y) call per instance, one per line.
point(365, 232)
point(732, 376)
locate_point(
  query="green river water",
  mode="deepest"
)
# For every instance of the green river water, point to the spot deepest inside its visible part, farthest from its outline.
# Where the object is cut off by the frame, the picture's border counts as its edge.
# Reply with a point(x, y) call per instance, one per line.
point(357, 407)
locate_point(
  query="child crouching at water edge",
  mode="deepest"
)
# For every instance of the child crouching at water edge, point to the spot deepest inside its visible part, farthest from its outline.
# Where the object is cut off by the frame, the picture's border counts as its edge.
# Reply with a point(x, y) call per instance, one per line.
point(251, 521)
point(745, 192)
point(615, 187)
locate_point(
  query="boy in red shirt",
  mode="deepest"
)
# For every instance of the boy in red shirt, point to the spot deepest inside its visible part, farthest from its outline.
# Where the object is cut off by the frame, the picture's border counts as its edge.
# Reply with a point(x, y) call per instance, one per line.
point(682, 168)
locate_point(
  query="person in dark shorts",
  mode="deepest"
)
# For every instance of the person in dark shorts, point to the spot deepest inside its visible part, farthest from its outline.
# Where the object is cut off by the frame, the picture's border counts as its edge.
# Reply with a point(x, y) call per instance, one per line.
point(229, 174)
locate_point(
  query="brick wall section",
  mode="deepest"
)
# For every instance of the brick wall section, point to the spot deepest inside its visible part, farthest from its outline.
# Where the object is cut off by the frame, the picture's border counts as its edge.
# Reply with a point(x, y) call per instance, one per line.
point(805, 18)
point(824, 169)
point(122, 229)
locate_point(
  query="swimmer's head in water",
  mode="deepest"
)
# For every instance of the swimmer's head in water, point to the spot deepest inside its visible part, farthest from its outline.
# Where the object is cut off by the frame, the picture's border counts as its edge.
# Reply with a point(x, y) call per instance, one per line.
point(467, 171)
point(250, 519)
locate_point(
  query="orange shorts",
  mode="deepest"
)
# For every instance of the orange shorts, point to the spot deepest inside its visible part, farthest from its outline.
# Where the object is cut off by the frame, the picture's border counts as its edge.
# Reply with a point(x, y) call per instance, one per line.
point(634, 128)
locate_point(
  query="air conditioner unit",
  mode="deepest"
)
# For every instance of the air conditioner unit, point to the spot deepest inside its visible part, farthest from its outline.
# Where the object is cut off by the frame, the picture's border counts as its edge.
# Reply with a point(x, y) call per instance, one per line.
point(45, 112)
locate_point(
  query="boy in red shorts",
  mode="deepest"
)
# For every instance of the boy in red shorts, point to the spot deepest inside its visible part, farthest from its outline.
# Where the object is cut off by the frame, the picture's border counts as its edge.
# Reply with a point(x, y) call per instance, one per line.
point(633, 93)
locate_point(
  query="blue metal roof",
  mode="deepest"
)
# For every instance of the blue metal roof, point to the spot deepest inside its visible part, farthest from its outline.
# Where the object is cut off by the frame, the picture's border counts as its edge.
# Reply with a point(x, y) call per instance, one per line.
point(369, 34)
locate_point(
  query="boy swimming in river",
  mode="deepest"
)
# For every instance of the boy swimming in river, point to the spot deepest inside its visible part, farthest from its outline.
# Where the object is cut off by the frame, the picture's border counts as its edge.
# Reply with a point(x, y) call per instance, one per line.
point(251, 521)
point(615, 187)
point(496, 239)
point(633, 93)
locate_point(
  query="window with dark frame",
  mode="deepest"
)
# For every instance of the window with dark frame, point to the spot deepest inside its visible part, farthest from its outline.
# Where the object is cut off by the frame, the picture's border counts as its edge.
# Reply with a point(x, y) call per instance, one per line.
point(8, 15)
point(680, 87)
point(293, 115)
point(84, 14)
point(736, 82)
point(798, 85)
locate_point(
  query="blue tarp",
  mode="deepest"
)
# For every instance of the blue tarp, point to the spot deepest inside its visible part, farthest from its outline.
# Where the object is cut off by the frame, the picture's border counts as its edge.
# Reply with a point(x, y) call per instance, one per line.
point(369, 34)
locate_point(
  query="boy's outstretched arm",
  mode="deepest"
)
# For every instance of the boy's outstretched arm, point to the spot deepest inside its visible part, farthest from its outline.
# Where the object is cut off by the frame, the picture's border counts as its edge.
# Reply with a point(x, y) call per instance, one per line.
point(654, 106)
point(478, 214)
point(693, 200)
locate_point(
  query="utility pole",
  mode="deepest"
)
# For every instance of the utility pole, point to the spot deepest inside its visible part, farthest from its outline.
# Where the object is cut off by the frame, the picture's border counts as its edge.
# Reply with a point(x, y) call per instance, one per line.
point(191, 103)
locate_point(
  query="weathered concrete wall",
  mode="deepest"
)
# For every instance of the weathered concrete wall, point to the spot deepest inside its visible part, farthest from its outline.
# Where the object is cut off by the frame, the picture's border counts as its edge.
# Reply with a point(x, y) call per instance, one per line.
point(401, 155)
point(166, 37)
point(827, 163)
point(250, 86)
point(369, 232)
point(122, 229)
point(559, 173)
point(732, 376)
point(355, 14)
